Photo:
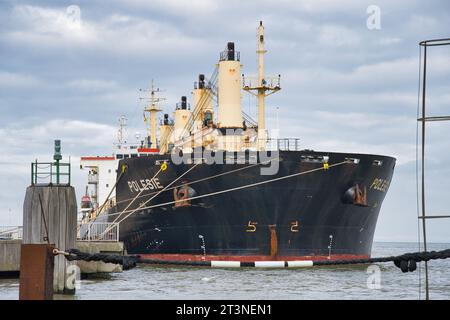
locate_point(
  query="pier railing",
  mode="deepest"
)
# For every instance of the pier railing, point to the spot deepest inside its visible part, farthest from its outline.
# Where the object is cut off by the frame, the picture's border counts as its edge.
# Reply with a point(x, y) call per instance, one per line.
point(98, 231)
point(50, 173)
point(11, 232)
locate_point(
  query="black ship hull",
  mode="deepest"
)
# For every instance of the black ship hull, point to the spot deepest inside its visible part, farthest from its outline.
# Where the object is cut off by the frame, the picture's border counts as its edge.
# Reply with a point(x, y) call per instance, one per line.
point(316, 213)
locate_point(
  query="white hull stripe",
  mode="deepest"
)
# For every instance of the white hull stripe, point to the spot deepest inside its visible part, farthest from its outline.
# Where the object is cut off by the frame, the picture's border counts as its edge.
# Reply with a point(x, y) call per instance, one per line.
point(270, 264)
point(300, 264)
point(225, 264)
point(263, 264)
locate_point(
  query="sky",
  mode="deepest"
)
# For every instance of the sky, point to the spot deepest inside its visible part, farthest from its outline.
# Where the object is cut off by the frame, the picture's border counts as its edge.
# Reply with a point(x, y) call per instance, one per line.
point(69, 70)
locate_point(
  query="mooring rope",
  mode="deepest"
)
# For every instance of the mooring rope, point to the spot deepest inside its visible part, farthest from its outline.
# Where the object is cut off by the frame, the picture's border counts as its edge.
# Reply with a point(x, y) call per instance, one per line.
point(112, 225)
point(201, 179)
point(134, 199)
point(406, 262)
point(324, 168)
point(143, 204)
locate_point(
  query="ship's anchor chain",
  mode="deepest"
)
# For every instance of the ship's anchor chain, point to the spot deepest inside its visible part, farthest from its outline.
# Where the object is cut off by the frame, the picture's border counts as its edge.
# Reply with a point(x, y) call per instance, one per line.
point(406, 262)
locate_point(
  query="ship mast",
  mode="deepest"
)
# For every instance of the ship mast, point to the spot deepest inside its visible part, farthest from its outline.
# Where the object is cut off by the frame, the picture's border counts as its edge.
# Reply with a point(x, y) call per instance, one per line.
point(121, 133)
point(263, 87)
point(152, 109)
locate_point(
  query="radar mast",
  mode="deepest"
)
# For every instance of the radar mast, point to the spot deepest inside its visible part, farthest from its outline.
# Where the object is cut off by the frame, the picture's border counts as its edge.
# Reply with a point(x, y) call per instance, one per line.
point(150, 111)
point(261, 87)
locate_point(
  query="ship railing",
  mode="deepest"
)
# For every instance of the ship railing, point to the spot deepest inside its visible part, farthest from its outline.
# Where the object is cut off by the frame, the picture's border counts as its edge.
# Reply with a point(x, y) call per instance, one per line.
point(11, 232)
point(283, 144)
point(270, 82)
point(230, 55)
point(98, 231)
point(179, 105)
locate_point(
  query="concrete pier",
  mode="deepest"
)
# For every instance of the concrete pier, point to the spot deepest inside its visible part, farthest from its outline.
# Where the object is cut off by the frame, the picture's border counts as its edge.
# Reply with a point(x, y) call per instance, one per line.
point(86, 267)
point(10, 257)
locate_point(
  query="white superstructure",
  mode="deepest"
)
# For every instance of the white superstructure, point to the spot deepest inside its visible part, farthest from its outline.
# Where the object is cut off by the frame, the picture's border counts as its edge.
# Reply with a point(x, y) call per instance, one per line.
point(102, 170)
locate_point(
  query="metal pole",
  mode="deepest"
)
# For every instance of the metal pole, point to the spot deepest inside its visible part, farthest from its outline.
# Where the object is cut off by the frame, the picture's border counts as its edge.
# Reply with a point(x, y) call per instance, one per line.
point(427, 295)
point(35, 171)
point(57, 171)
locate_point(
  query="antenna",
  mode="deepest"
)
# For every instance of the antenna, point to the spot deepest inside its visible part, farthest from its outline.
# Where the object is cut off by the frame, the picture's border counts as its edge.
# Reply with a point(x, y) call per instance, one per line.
point(121, 133)
point(151, 108)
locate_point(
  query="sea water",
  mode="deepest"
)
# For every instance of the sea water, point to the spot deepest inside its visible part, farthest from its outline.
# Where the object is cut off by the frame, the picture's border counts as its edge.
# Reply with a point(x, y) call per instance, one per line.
point(381, 281)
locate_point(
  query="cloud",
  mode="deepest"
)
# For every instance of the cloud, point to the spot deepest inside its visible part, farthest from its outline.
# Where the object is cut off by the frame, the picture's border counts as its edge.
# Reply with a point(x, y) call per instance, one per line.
point(356, 132)
point(22, 143)
point(75, 133)
point(389, 41)
point(175, 7)
point(334, 35)
point(114, 33)
point(16, 80)
point(48, 26)
point(92, 84)
point(384, 75)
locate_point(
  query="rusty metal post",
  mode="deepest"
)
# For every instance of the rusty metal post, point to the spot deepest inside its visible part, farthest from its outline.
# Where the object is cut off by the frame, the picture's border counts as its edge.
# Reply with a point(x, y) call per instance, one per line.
point(36, 272)
point(273, 241)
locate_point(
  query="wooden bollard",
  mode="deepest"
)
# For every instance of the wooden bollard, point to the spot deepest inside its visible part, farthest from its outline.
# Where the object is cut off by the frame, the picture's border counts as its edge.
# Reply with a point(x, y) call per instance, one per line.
point(36, 272)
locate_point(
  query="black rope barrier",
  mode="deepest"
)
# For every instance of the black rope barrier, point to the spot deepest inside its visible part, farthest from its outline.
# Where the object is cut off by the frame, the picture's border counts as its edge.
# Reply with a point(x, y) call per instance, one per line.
point(406, 262)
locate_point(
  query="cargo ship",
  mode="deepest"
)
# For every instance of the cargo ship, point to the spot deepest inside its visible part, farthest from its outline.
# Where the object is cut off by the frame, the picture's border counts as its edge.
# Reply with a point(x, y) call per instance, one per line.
point(212, 184)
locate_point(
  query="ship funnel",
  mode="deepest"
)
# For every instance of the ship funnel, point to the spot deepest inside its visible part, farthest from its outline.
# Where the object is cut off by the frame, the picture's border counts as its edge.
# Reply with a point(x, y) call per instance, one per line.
point(201, 81)
point(229, 91)
point(202, 103)
point(165, 136)
point(230, 49)
point(182, 116)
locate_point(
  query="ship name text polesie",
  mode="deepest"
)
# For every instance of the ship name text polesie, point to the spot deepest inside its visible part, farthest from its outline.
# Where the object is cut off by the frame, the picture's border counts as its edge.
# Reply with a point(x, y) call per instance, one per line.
point(144, 184)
